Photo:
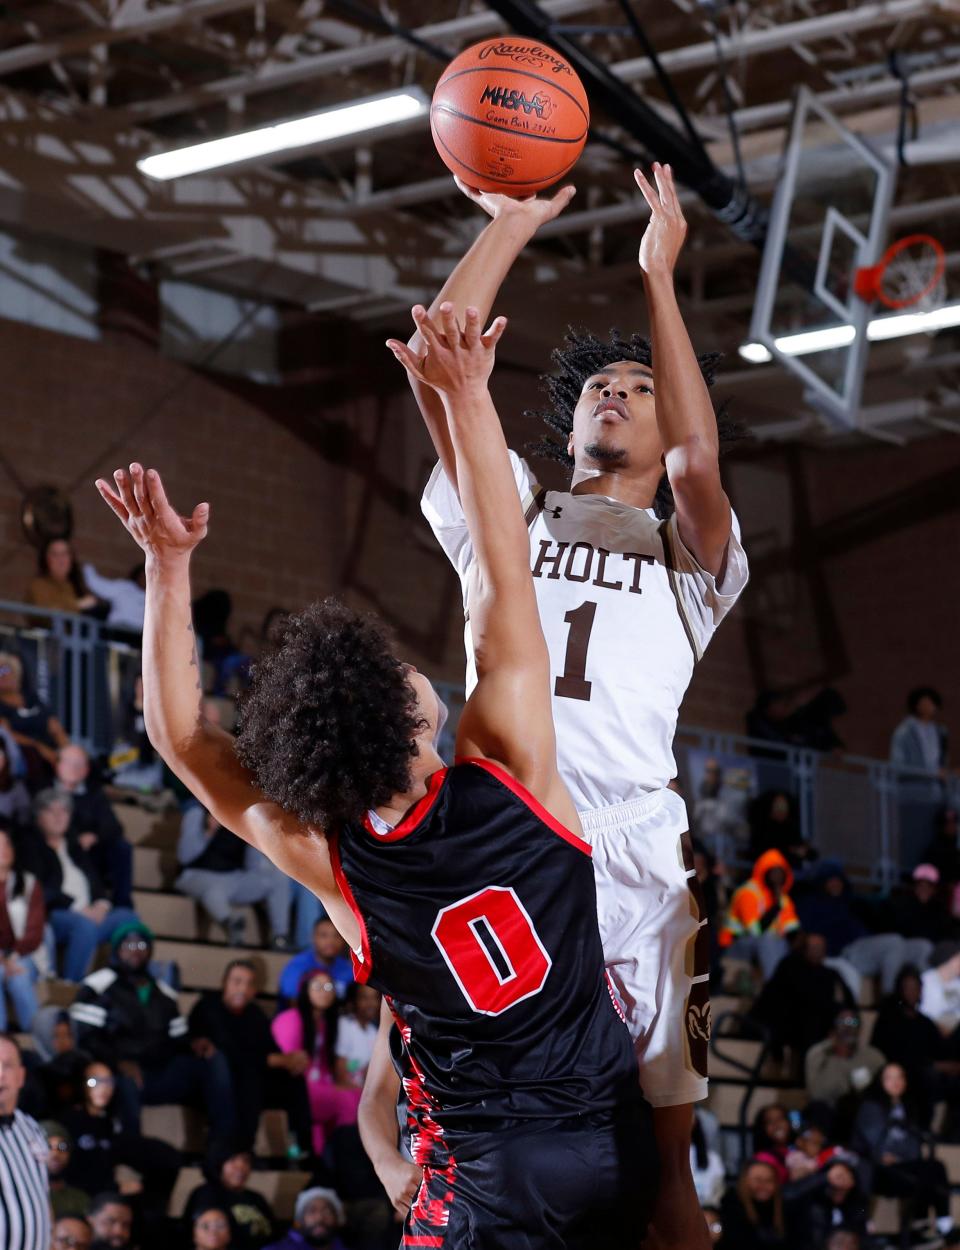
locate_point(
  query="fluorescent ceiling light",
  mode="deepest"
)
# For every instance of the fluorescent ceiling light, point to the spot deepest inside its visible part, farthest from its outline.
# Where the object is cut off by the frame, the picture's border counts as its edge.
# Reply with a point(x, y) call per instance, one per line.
point(891, 326)
point(302, 132)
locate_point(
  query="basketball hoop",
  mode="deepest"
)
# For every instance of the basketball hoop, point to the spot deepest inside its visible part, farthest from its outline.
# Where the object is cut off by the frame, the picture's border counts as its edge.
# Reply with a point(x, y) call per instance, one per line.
point(910, 272)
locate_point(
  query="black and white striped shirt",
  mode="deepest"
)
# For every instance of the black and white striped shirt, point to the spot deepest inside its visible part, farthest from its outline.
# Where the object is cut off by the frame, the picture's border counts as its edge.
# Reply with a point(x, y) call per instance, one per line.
point(24, 1190)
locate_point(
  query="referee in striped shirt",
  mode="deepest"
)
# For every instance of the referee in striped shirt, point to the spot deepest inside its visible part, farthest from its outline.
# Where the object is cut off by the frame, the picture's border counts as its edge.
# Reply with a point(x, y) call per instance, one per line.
point(24, 1192)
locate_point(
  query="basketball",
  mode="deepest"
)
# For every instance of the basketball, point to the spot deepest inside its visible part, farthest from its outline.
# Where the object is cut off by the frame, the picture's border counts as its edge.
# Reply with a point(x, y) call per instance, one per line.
point(509, 115)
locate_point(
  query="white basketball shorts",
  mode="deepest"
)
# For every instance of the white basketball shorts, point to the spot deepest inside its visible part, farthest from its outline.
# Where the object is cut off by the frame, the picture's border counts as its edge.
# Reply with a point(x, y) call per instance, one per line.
point(655, 939)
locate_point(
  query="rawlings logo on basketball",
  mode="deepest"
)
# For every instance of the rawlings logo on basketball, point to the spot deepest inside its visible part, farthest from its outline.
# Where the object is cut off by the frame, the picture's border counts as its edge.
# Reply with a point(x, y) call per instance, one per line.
point(523, 54)
point(699, 1022)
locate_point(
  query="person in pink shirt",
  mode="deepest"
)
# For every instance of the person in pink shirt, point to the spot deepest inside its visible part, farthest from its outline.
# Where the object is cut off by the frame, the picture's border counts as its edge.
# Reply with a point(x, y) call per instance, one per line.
point(311, 1028)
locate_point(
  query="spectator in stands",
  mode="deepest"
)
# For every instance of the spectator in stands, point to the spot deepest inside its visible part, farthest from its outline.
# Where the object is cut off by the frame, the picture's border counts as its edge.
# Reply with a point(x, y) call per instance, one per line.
point(752, 1213)
point(811, 724)
point(317, 1218)
point(223, 873)
point(773, 1137)
point(34, 728)
point(799, 1003)
point(944, 850)
point(94, 826)
point(808, 1153)
point(923, 913)
point(24, 1198)
point(919, 742)
point(841, 1067)
point(14, 796)
point(231, 1022)
point(706, 1165)
point(227, 1169)
point(78, 905)
point(59, 581)
point(775, 826)
point(211, 1229)
point(356, 1035)
point(126, 597)
point(60, 1075)
point(101, 1144)
point(71, 1232)
point(761, 914)
point(131, 1021)
point(111, 1218)
point(64, 1199)
point(138, 766)
point(889, 1136)
point(211, 621)
point(22, 920)
point(311, 1026)
point(907, 1037)
point(768, 719)
point(819, 1203)
point(829, 909)
point(327, 951)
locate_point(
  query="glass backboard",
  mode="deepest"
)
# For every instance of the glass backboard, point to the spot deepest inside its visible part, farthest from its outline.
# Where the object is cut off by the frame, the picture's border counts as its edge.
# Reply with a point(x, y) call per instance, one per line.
point(828, 218)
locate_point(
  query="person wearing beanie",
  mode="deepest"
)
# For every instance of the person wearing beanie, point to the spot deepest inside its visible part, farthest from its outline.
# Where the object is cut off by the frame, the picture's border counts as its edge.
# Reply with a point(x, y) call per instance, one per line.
point(131, 1021)
point(317, 1217)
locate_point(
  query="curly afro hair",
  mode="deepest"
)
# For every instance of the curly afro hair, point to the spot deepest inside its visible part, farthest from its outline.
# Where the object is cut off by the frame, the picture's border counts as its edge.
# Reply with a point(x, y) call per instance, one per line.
point(582, 355)
point(328, 724)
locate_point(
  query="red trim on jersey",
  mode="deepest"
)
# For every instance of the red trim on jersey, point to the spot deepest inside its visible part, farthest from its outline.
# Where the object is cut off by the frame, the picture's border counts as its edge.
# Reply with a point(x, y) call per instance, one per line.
point(522, 793)
point(429, 1149)
point(361, 967)
point(414, 815)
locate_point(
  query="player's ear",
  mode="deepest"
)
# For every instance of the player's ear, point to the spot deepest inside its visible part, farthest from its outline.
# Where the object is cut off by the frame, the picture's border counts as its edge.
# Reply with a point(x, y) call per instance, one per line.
point(570, 444)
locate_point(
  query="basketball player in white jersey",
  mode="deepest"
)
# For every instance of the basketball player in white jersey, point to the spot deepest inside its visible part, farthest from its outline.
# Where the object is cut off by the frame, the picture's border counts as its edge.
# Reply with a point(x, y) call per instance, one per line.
point(634, 569)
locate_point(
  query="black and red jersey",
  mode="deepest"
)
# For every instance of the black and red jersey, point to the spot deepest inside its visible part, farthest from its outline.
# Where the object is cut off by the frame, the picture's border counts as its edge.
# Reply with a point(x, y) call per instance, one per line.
point(479, 923)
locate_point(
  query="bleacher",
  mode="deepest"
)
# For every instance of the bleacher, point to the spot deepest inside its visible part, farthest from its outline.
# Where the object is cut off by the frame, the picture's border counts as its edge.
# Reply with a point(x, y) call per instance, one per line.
point(743, 1079)
point(185, 934)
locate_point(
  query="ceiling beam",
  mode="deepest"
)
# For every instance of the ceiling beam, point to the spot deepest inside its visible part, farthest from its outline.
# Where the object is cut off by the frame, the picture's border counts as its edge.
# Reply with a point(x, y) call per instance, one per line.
point(307, 68)
point(29, 55)
point(775, 38)
point(783, 35)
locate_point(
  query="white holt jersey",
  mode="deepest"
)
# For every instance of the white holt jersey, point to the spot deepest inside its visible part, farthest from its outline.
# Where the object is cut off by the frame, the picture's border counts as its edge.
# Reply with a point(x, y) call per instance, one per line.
point(626, 612)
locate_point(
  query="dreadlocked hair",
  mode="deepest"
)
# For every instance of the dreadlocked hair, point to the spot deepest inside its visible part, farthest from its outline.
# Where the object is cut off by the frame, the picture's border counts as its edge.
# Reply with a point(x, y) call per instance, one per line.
point(328, 724)
point(582, 355)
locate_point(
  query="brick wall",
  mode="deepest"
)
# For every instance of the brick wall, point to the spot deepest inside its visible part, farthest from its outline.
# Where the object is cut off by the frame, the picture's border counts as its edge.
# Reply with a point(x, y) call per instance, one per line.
point(315, 488)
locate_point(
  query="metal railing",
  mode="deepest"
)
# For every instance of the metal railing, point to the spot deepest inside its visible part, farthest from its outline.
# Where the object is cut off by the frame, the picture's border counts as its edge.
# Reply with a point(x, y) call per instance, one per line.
point(74, 664)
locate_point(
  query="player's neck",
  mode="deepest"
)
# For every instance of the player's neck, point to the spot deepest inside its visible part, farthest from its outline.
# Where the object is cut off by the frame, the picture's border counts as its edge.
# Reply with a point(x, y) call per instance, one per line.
point(623, 484)
point(425, 764)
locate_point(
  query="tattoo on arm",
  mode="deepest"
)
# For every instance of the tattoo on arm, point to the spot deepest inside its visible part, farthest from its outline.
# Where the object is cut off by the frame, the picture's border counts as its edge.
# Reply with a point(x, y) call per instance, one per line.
point(195, 658)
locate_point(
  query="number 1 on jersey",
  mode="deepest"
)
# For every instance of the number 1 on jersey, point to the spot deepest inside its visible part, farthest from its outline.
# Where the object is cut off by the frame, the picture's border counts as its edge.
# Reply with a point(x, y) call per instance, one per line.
point(573, 684)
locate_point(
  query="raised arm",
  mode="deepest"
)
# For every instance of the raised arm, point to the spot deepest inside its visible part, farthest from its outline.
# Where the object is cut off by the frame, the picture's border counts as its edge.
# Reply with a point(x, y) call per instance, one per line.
point(476, 281)
point(509, 716)
point(203, 755)
point(685, 416)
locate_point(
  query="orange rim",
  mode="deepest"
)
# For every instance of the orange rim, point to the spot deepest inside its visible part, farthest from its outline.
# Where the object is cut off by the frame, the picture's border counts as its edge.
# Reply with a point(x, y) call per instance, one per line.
point(868, 282)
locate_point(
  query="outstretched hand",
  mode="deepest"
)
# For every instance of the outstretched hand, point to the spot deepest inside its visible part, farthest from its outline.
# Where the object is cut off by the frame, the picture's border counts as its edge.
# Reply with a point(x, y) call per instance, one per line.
point(141, 504)
point(456, 359)
point(533, 210)
point(667, 227)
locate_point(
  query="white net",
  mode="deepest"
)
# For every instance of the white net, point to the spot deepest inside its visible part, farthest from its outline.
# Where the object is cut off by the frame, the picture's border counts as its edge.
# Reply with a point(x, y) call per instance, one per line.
point(914, 278)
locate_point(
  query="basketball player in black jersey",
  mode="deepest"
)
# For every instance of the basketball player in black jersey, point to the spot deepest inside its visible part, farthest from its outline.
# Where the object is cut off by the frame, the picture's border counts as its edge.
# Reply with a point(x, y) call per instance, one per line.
point(465, 893)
